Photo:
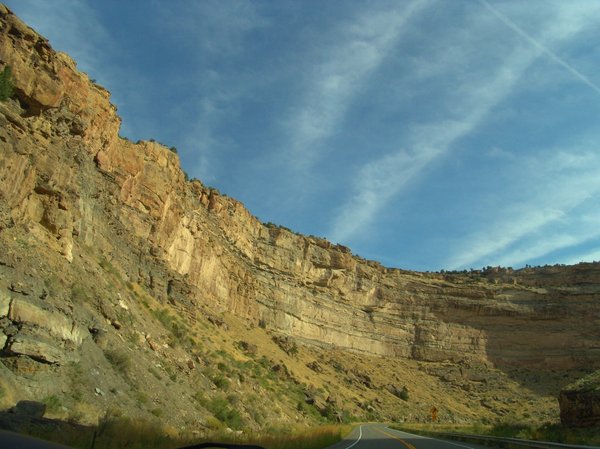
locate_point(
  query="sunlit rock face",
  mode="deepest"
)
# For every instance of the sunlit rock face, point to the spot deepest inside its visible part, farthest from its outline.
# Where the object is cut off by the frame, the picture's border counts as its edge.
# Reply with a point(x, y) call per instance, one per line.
point(69, 179)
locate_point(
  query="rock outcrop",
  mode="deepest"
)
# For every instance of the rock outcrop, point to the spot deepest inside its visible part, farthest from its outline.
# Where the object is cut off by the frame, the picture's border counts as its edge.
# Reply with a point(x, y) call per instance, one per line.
point(580, 402)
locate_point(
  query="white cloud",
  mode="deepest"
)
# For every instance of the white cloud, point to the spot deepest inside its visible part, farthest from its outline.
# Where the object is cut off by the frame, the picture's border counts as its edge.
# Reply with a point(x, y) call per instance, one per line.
point(376, 184)
point(337, 75)
point(520, 222)
point(216, 28)
point(384, 179)
point(215, 81)
point(543, 219)
point(380, 181)
point(588, 256)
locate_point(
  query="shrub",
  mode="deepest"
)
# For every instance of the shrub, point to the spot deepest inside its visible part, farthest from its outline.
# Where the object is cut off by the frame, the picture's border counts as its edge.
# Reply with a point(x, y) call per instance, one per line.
point(219, 407)
point(221, 382)
point(141, 398)
point(119, 359)
point(155, 373)
point(404, 394)
point(53, 403)
point(7, 88)
point(78, 293)
point(222, 367)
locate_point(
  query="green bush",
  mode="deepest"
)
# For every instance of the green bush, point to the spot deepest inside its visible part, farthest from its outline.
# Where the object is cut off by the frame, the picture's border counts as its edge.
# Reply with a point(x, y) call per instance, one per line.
point(53, 403)
point(119, 359)
point(221, 382)
point(7, 87)
point(219, 407)
point(78, 293)
point(158, 412)
point(404, 394)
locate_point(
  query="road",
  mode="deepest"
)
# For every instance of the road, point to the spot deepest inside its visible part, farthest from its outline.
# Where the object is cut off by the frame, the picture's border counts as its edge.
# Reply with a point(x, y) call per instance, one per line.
point(379, 436)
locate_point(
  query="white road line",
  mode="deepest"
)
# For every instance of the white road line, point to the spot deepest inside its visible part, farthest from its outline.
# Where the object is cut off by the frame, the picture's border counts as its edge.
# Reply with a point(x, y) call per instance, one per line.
point(359, 437)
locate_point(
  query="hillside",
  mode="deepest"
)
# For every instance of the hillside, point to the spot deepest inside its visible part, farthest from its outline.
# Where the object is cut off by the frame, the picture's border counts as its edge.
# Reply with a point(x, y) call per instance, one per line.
point(127, 289)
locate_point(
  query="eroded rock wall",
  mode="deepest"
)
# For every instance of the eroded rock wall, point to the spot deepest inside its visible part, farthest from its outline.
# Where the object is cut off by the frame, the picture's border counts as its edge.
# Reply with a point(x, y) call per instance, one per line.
point(72, 182)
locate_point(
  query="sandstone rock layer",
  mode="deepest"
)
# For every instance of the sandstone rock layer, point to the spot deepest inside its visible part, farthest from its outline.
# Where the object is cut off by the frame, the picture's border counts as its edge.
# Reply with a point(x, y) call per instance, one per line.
point(70, 181)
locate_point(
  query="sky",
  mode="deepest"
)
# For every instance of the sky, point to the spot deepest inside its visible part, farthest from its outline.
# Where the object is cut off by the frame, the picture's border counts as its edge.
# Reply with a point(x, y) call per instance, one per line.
point(425, 134)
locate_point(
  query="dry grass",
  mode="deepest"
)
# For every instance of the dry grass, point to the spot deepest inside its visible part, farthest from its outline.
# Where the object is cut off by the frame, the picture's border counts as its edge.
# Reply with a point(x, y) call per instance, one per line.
point(117, 433)
point(308, 438)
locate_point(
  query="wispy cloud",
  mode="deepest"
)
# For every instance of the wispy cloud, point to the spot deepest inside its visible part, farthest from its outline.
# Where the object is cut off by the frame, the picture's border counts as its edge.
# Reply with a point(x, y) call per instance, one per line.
point(337, 75)
point(587, 256)
point(217, 32)
point(382, 180)
point(543, 219)
point(215, 28)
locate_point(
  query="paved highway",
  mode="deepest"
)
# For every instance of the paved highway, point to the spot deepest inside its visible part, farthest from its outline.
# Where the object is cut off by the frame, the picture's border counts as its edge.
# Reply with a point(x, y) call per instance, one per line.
point(379, 436)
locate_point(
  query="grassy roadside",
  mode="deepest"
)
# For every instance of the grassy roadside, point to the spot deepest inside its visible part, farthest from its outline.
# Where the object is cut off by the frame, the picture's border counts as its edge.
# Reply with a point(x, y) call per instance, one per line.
point(306, 438)
point(541, 432)
point(137, 434)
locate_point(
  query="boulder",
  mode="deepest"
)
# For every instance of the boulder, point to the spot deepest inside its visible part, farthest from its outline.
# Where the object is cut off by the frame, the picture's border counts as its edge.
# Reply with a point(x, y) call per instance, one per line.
point(314, 365)
point(37, 348)
point(363, 378)
point(286, 343)
point(401, 393)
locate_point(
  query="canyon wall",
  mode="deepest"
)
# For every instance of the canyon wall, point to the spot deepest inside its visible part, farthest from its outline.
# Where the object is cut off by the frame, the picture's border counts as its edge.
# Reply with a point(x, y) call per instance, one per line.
point(69, 180)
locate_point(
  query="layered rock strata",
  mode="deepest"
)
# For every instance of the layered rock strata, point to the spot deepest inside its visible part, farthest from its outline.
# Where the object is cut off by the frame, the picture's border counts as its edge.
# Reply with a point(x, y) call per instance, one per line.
point(72, 183)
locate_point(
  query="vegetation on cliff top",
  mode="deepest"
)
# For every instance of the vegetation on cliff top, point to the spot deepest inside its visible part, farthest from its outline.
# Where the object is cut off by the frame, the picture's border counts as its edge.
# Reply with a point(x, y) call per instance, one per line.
point(588, 383)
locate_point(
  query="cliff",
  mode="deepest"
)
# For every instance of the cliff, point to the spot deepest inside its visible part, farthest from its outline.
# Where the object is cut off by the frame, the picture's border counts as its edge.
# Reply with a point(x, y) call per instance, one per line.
point(92, 225)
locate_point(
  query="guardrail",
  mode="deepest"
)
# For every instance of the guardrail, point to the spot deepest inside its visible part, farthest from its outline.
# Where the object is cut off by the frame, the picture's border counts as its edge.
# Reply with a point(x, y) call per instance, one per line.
point(505, 442)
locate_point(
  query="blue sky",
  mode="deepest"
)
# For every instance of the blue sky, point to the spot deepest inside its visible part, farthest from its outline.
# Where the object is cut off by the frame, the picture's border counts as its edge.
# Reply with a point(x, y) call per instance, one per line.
point(426, 134)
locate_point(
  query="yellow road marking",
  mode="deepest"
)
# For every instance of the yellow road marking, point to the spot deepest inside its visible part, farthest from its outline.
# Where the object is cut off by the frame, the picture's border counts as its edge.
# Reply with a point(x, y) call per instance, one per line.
point(408, 445)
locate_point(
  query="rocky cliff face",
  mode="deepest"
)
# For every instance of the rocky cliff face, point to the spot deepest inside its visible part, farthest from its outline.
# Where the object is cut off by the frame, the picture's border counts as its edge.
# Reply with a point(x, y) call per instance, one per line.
point(95, 207)
point(301, 286)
